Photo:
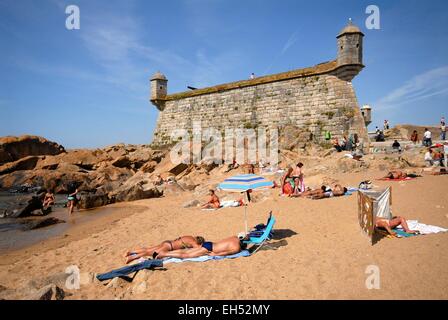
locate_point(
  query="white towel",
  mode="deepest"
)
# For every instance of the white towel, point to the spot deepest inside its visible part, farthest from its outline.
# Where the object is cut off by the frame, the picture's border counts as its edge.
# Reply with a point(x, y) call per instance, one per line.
point(423, 228)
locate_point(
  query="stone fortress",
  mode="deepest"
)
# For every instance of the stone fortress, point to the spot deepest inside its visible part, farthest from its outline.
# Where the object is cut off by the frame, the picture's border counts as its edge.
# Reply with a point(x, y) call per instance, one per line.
point(315, 99)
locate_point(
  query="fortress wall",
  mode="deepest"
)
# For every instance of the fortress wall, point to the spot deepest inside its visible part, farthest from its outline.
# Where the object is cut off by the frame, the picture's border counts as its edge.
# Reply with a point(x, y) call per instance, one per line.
point(315, 103)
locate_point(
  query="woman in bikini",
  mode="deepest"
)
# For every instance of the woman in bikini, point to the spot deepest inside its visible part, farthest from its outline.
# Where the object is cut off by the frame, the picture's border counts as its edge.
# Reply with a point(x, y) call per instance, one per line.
point(228, 246)
point(184, 242)
point(393, 223)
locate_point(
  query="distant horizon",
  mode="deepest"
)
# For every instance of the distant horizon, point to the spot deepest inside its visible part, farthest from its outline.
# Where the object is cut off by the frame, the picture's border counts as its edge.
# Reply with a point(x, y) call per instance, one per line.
point(89, 88)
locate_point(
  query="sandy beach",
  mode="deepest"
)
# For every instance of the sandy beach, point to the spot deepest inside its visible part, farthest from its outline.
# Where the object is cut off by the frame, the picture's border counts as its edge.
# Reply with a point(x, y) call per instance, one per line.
point(320, 250)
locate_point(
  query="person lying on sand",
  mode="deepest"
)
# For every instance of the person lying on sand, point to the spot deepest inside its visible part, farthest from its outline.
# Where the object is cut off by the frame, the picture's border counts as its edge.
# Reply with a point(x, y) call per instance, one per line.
point(336, 191)
point(393, 223)
point(183, 242)
point(213, 203)
point(324, 192)
point(398, 174)
point(228, 246)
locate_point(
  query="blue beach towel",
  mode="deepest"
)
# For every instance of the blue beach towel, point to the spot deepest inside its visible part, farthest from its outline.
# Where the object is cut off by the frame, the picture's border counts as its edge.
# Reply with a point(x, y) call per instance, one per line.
point(402, 234)
point(350, 191)
point(124, 271)
point(244, 253)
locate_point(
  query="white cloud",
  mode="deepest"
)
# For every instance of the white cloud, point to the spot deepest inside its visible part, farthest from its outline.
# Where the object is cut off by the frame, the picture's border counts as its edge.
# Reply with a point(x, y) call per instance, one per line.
point(291, 41)
point(429, 84)
point(288, 44)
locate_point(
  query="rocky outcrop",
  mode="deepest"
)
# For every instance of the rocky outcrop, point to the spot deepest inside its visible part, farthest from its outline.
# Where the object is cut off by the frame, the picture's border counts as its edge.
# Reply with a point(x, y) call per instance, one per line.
point(15, 148)
point(93, 200)
point(137, 187)
point(27, 163)
point(42, 223)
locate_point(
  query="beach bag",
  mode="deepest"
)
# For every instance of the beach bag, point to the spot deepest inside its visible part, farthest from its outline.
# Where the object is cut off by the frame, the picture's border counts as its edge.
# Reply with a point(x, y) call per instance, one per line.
point(287, 189)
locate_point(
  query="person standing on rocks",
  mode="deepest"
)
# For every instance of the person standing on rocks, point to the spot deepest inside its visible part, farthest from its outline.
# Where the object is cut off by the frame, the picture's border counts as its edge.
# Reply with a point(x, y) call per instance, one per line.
point(443, 130)
point(427, 139)
point(414, 137)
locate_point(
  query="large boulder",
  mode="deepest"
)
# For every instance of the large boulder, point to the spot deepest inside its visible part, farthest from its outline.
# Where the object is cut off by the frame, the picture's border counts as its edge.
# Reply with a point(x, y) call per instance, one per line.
point(137, 187)
point(83, 158)
point(26, 208)
point(293, 138)
point(15, 148)
point(27, 163)
point(137, 192)
point(93, 200)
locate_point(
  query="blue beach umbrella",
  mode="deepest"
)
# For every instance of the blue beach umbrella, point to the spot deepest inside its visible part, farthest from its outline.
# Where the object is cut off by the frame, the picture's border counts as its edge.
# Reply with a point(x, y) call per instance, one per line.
point(245, 183)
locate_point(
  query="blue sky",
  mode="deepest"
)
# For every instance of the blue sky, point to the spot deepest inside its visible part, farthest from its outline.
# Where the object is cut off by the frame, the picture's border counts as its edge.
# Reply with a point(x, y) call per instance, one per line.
point(90, 87)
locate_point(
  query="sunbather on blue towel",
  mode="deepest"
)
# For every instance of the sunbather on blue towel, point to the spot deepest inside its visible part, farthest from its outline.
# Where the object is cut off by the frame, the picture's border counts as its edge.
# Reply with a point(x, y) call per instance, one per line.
point(225, 247)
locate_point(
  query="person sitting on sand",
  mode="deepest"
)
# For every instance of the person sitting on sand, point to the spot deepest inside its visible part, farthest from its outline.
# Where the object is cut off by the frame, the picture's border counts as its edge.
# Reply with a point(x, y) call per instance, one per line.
point(183, 242)
point(49, 199)
point(228, 246)
point(396, 146)
point(398, 174)
point(159, 180)
point(393, 223)
point(213, 203)
point(336, 145)
point(285, 184)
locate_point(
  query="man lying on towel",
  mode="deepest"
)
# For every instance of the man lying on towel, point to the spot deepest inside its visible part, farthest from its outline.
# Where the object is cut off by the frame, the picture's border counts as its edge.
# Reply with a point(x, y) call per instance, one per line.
point(184, 242)
point(398, 174)
point(223, 247)
point(392, 224)
point(325, 192)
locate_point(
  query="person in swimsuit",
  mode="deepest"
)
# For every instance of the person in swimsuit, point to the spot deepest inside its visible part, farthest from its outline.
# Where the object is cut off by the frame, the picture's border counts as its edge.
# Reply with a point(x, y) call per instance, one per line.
point(393, 223)
point(213, 203)
point(285, 179)
point(181, 243)
point(336, 191)
point(297, 176)
point(228, 246)
point(72, 198)
point(48, 199)
point(398, 174)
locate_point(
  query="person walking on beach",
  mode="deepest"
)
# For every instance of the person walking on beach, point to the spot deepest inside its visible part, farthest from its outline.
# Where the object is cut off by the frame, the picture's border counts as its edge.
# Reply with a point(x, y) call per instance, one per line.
point(72, 197)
